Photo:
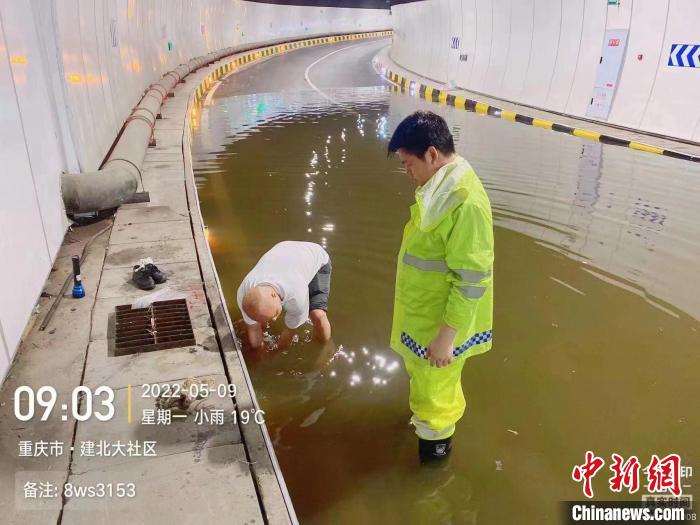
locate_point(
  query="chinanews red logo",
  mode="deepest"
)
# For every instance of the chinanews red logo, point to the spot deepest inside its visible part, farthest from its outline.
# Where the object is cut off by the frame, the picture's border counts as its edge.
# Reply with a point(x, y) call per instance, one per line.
point(613, 42)
point(662, 474)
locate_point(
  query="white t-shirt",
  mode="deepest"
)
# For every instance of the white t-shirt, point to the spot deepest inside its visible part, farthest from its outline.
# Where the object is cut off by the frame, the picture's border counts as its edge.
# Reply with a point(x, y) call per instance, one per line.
point(288, 268)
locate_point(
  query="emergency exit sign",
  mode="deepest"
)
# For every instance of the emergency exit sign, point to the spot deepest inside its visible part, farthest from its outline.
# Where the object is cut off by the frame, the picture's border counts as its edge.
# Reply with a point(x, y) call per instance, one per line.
point(613, 2)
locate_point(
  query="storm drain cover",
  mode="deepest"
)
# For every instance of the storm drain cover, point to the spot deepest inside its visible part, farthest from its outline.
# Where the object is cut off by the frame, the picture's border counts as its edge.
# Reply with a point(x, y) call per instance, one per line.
point(163, 325)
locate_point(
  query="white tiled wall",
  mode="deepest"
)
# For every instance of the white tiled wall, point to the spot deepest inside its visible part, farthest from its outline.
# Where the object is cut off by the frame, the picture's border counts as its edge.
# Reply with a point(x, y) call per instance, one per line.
point(545, 53)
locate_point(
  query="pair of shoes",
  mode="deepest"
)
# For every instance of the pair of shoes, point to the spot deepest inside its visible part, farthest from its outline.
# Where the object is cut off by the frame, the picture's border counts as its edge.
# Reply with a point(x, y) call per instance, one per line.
point(146, 274)
point(434, 450)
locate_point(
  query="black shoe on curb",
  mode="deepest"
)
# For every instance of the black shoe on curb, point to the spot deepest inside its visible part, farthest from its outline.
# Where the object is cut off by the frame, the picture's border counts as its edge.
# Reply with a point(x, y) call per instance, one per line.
point(434, 450)
point(158, 276)
point(142, 278)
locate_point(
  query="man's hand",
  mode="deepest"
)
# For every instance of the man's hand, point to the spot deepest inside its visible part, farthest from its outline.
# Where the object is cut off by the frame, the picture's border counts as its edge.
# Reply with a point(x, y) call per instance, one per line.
point(286, 338)
point(440, 349)
point(255, 335)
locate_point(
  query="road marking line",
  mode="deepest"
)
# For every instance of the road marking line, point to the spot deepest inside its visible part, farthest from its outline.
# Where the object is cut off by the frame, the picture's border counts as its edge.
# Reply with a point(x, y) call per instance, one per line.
point(306, 73)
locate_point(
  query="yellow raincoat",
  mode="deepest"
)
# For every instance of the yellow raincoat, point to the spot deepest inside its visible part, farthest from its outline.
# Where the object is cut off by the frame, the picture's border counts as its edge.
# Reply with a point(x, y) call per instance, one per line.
point(444, 276)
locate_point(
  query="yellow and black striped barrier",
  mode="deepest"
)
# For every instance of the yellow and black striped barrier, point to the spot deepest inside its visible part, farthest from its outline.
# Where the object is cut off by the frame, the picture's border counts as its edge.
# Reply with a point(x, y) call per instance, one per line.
point(429, 93)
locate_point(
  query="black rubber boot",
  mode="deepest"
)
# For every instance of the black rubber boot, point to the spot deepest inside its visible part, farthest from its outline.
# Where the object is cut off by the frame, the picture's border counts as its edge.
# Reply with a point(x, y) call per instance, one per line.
point(142, 278)
point(158, 276)
point(434, 450)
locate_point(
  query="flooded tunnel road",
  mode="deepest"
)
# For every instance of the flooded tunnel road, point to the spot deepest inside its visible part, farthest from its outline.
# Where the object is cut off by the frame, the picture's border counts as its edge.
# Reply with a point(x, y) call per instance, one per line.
point(596, 334)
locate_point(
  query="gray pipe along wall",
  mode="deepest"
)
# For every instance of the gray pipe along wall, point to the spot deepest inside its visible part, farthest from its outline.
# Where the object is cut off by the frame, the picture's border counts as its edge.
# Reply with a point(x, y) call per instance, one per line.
point(117, 181)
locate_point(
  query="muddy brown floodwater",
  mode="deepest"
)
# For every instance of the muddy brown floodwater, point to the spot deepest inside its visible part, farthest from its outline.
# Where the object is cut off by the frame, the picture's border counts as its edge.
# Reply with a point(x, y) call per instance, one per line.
point(596, 333)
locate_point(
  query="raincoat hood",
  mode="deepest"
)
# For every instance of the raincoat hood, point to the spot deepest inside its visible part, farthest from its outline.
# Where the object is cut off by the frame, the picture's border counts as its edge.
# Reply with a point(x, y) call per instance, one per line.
point(445, 190)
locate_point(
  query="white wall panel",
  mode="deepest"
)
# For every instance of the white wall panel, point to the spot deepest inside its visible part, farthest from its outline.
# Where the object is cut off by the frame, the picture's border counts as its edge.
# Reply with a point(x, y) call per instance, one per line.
point(484, 34)
point(440, 14)
point(620, 15)
point(84, 26)
point(468, 43)
point(124, 65)
point(454, 26)
point(696, 134)
point(645, 40)
point(83, 131)
point(399, 43)
point(415, 38)
point(543, 55)
point(441, 52)
point(425, 52)
point(420, 56)
point(572, 12)
point(25, 261)
point(136, 14)
point(110, 63)
point(500, 42)
point(592, 34)
point(673, 106)
point(103, 52)
point(50, 57)
point(519, 49)
point(411, 38)
point(151, 65)
point(44, 146)
point(4, 355)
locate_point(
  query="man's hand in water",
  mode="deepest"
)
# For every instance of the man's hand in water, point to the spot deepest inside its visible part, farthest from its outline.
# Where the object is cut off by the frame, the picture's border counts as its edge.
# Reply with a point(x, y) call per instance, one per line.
point(255, 335)
point(440, 350)
point(286, 338)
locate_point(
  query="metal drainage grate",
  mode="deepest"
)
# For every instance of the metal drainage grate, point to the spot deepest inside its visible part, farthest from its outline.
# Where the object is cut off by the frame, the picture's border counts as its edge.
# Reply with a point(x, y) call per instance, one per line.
point(164, 324)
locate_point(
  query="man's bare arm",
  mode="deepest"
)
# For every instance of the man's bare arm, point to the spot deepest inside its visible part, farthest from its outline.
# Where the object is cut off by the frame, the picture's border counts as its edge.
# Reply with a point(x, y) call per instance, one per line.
point(286, 338)
point(255, 335)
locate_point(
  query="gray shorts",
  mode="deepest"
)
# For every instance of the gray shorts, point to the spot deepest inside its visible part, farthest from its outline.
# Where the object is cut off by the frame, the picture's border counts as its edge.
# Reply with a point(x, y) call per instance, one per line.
point(320, 288)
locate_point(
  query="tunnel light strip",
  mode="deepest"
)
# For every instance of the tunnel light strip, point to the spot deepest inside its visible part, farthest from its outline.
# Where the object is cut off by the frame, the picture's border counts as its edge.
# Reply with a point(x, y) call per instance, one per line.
point(433, 94)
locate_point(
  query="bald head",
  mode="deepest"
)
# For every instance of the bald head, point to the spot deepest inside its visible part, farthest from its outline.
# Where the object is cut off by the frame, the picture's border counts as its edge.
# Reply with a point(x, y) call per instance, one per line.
point(262, 304)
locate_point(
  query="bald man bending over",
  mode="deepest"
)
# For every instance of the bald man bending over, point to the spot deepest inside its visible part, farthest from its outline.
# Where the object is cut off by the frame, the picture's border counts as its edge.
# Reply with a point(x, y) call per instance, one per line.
point(294, 277)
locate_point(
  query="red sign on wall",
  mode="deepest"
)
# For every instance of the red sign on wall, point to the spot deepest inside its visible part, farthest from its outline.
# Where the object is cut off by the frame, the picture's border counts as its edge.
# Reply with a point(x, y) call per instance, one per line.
point(614, 42)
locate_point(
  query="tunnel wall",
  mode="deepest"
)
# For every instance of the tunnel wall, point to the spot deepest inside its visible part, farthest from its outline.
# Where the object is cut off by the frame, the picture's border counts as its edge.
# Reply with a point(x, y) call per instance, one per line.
point(546, 53)
point(70, 73)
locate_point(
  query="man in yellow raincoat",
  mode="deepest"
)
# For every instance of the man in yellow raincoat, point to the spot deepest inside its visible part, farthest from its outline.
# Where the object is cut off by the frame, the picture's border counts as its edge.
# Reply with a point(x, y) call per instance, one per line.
point(443, 305)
